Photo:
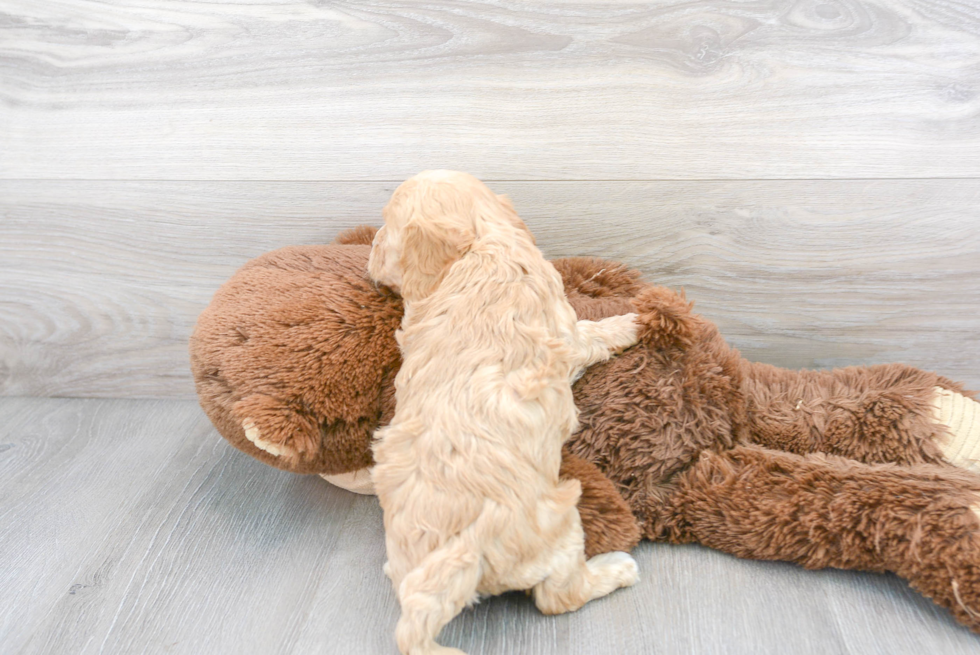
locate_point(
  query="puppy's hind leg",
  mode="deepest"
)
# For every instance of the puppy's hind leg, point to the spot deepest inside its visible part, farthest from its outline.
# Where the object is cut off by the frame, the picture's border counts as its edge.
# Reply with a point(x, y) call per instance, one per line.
point(599, 340)
point(570, 589)
point(573, 581)
point(433, 593)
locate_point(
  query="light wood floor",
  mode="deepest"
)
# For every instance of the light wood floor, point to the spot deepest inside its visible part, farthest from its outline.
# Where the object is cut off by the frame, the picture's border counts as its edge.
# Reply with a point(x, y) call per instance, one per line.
point(127, 527)
point(808, 170)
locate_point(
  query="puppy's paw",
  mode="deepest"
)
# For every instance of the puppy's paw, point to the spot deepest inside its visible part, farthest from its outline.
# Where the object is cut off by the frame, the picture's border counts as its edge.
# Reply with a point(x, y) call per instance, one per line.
point(624, 331)
point(616, 566)
point(253, 434)
point(599, 340)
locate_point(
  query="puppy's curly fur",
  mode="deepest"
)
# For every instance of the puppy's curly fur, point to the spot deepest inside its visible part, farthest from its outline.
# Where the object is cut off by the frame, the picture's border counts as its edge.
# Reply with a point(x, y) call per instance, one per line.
point(468, 470)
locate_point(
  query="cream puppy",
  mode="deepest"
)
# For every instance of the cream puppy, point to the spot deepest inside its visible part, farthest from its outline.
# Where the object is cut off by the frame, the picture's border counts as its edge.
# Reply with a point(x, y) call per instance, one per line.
point(467, 471)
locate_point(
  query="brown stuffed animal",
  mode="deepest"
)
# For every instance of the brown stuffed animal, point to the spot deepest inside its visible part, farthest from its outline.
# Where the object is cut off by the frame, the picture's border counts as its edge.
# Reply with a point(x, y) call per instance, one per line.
point(681, 439)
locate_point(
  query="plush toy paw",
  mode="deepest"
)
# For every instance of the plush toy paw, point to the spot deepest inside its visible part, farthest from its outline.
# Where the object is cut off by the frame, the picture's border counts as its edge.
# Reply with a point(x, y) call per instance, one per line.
point(666, 319)
point(358, 481)
point(961, 415)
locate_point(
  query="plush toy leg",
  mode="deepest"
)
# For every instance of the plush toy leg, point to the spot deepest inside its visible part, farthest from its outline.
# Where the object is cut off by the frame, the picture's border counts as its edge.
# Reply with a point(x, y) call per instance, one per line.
point(874, 414)
point(607, 520)
point(920, 522)
point(961, 416)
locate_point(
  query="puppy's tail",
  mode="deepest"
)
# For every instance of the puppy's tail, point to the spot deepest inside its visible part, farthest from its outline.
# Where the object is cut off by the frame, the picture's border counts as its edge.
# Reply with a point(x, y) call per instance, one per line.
point(433, 593)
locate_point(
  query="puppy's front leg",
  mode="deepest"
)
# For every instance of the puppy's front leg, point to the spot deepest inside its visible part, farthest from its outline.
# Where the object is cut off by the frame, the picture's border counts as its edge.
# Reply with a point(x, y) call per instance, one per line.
point(599, 340)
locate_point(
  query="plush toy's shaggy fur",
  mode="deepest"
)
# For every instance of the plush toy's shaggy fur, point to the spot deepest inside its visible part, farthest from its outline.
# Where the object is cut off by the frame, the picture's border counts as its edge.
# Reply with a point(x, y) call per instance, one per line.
point(305, 334)
point(838, 468)
point(301, 342)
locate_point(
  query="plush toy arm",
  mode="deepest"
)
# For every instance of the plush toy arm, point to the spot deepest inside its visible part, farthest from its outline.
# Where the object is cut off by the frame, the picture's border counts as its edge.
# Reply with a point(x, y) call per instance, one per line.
point(873, 414)
point(819, 511)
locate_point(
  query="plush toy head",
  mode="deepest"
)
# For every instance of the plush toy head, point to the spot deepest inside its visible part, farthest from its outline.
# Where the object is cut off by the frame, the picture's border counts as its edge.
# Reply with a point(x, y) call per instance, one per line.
point(296, 348)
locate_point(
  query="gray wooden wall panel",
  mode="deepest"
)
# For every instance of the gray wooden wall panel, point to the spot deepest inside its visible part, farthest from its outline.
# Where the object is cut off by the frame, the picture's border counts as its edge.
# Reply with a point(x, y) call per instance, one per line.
point(809, 170)
point(132, 527)
point(287, 90)
point(101, 282)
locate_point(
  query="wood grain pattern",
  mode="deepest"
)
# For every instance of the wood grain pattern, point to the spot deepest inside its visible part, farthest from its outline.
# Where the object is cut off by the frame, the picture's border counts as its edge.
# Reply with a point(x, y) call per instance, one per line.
point(100, 283)
point(148, 149)
point(132, 527)
point(291, 90)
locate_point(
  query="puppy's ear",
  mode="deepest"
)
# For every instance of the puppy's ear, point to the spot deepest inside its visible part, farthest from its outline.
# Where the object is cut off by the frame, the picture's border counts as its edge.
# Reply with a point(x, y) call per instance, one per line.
point(428, 250)
point(512, 216)
point(506, 202)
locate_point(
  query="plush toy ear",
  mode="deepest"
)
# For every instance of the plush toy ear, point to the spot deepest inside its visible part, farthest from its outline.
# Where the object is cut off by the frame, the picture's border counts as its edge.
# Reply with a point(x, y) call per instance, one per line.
point(428, 250)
